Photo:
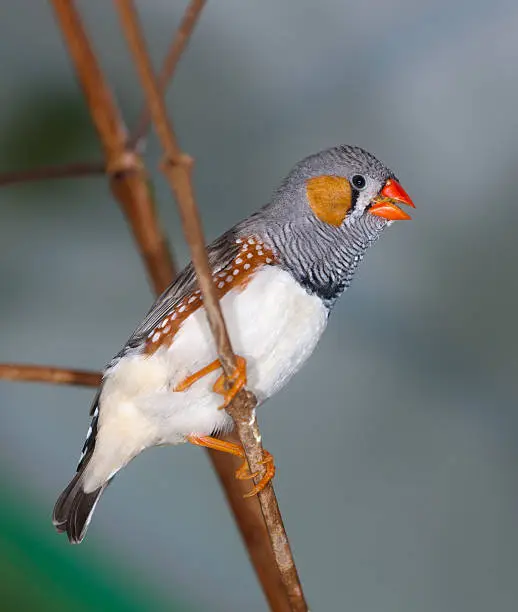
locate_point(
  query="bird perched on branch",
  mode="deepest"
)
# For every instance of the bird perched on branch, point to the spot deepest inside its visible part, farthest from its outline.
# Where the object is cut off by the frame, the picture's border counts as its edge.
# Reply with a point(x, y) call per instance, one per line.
point(278, 274)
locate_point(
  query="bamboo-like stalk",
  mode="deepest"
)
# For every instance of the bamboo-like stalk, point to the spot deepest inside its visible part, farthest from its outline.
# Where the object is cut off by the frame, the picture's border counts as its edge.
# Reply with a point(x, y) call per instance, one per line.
point(177, 167)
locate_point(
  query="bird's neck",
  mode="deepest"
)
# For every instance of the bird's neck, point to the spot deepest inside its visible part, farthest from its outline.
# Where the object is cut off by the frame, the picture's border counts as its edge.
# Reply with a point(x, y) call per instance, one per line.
point(324, 260)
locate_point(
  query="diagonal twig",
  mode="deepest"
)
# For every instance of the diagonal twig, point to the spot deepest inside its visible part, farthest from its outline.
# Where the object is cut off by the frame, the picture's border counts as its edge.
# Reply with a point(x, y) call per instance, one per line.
point(180, 41)
point(177, 167)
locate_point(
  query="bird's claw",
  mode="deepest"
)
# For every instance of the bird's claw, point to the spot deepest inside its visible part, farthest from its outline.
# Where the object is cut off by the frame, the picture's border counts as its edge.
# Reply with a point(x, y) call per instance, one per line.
point(230, 386)
point(243, 473)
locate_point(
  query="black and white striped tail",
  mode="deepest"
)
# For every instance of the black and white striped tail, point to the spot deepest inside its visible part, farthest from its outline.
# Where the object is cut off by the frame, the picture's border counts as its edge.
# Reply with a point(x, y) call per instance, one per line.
point(74, 508)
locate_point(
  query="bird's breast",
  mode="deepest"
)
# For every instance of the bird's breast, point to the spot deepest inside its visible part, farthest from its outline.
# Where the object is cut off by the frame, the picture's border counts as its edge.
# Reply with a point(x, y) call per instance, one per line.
point(273, 323)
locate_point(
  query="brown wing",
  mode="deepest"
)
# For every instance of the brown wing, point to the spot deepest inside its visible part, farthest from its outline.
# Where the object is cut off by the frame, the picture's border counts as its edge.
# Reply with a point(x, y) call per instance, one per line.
point(221, 252)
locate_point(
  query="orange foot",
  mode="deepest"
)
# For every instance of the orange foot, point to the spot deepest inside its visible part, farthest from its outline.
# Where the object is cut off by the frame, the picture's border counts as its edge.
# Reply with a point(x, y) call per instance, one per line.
point(236, 381)
point(243, 472)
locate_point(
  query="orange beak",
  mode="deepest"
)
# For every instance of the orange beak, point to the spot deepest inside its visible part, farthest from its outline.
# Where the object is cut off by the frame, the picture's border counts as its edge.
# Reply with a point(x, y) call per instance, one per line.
point(385, 204)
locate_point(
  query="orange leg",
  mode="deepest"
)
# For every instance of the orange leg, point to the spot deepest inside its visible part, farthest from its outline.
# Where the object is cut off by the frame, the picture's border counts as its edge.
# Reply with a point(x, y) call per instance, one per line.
point(237, 380)
point(243, 472)
point(190, 380)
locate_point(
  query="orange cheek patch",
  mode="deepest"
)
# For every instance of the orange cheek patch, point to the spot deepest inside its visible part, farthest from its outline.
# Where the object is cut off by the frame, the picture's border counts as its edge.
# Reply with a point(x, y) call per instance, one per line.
point(253, 254)
point(329, 198)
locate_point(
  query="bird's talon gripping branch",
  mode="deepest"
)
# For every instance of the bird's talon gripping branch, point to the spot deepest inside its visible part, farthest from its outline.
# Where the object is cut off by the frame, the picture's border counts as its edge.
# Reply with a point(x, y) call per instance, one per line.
point(228, 387)
point(269, 473)
point(243, 472)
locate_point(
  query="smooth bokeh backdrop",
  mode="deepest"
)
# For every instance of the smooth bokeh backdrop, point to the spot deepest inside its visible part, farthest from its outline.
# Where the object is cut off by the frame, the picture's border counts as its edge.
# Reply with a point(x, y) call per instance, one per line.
point(396, 446)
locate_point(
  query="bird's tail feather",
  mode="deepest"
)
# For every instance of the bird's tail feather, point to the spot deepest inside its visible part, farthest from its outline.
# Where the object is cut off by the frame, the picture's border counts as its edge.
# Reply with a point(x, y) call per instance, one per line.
point(74, 508)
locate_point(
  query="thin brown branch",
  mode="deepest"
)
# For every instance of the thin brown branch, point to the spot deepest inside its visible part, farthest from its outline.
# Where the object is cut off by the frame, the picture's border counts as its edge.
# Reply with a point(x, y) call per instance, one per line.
point(249, 517)
point(48, 374)
point(180, 41)
point(52, 172)
point(177, 167)
point(128, 178)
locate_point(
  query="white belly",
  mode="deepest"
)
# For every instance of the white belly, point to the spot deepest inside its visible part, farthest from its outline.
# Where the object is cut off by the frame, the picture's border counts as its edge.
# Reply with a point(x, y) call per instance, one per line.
point(274, 324)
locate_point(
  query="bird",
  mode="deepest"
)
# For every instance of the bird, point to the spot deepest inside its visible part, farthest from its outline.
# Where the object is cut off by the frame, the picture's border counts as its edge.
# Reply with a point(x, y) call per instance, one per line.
point(278, 274)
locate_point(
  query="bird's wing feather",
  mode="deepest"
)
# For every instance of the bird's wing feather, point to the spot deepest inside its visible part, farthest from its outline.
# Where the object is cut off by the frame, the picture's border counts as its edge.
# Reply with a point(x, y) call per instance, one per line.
point(221, 252)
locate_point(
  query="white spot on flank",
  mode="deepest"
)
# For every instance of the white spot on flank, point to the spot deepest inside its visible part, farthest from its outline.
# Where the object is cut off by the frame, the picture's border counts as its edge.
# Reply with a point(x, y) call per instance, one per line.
point(173, 316)
point(235, 272)
point(239, 241)
point(250, 255)
point(167, 329)
point(156, 337)
point(181, 309)
point(164, 322)
point(268, 260)
point(246, 266)
point(221, 285)
point(192, 299)
point(251, 241)
point(239, 261)
point(245, 248)
point(260, 253)
point(229, 279)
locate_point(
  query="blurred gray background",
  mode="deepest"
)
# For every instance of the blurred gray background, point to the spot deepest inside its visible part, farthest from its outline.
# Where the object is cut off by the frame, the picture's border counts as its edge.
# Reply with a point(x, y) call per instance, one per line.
point(396, 447)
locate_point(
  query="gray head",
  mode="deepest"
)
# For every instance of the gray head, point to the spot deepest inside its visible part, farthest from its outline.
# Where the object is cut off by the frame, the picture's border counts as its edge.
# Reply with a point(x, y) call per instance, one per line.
point(326, 213)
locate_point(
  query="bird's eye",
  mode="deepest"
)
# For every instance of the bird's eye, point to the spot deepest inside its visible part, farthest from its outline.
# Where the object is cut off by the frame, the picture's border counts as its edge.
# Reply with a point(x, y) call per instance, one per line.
point(358, 181)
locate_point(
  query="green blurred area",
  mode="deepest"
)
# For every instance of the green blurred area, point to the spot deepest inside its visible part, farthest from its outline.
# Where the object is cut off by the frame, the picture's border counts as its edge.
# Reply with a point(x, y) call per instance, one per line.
point(56, 130)
point(40, 571)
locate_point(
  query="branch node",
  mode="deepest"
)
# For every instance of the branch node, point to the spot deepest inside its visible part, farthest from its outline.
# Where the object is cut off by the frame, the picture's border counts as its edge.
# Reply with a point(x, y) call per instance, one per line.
point(126, 161)
point(183, 160)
